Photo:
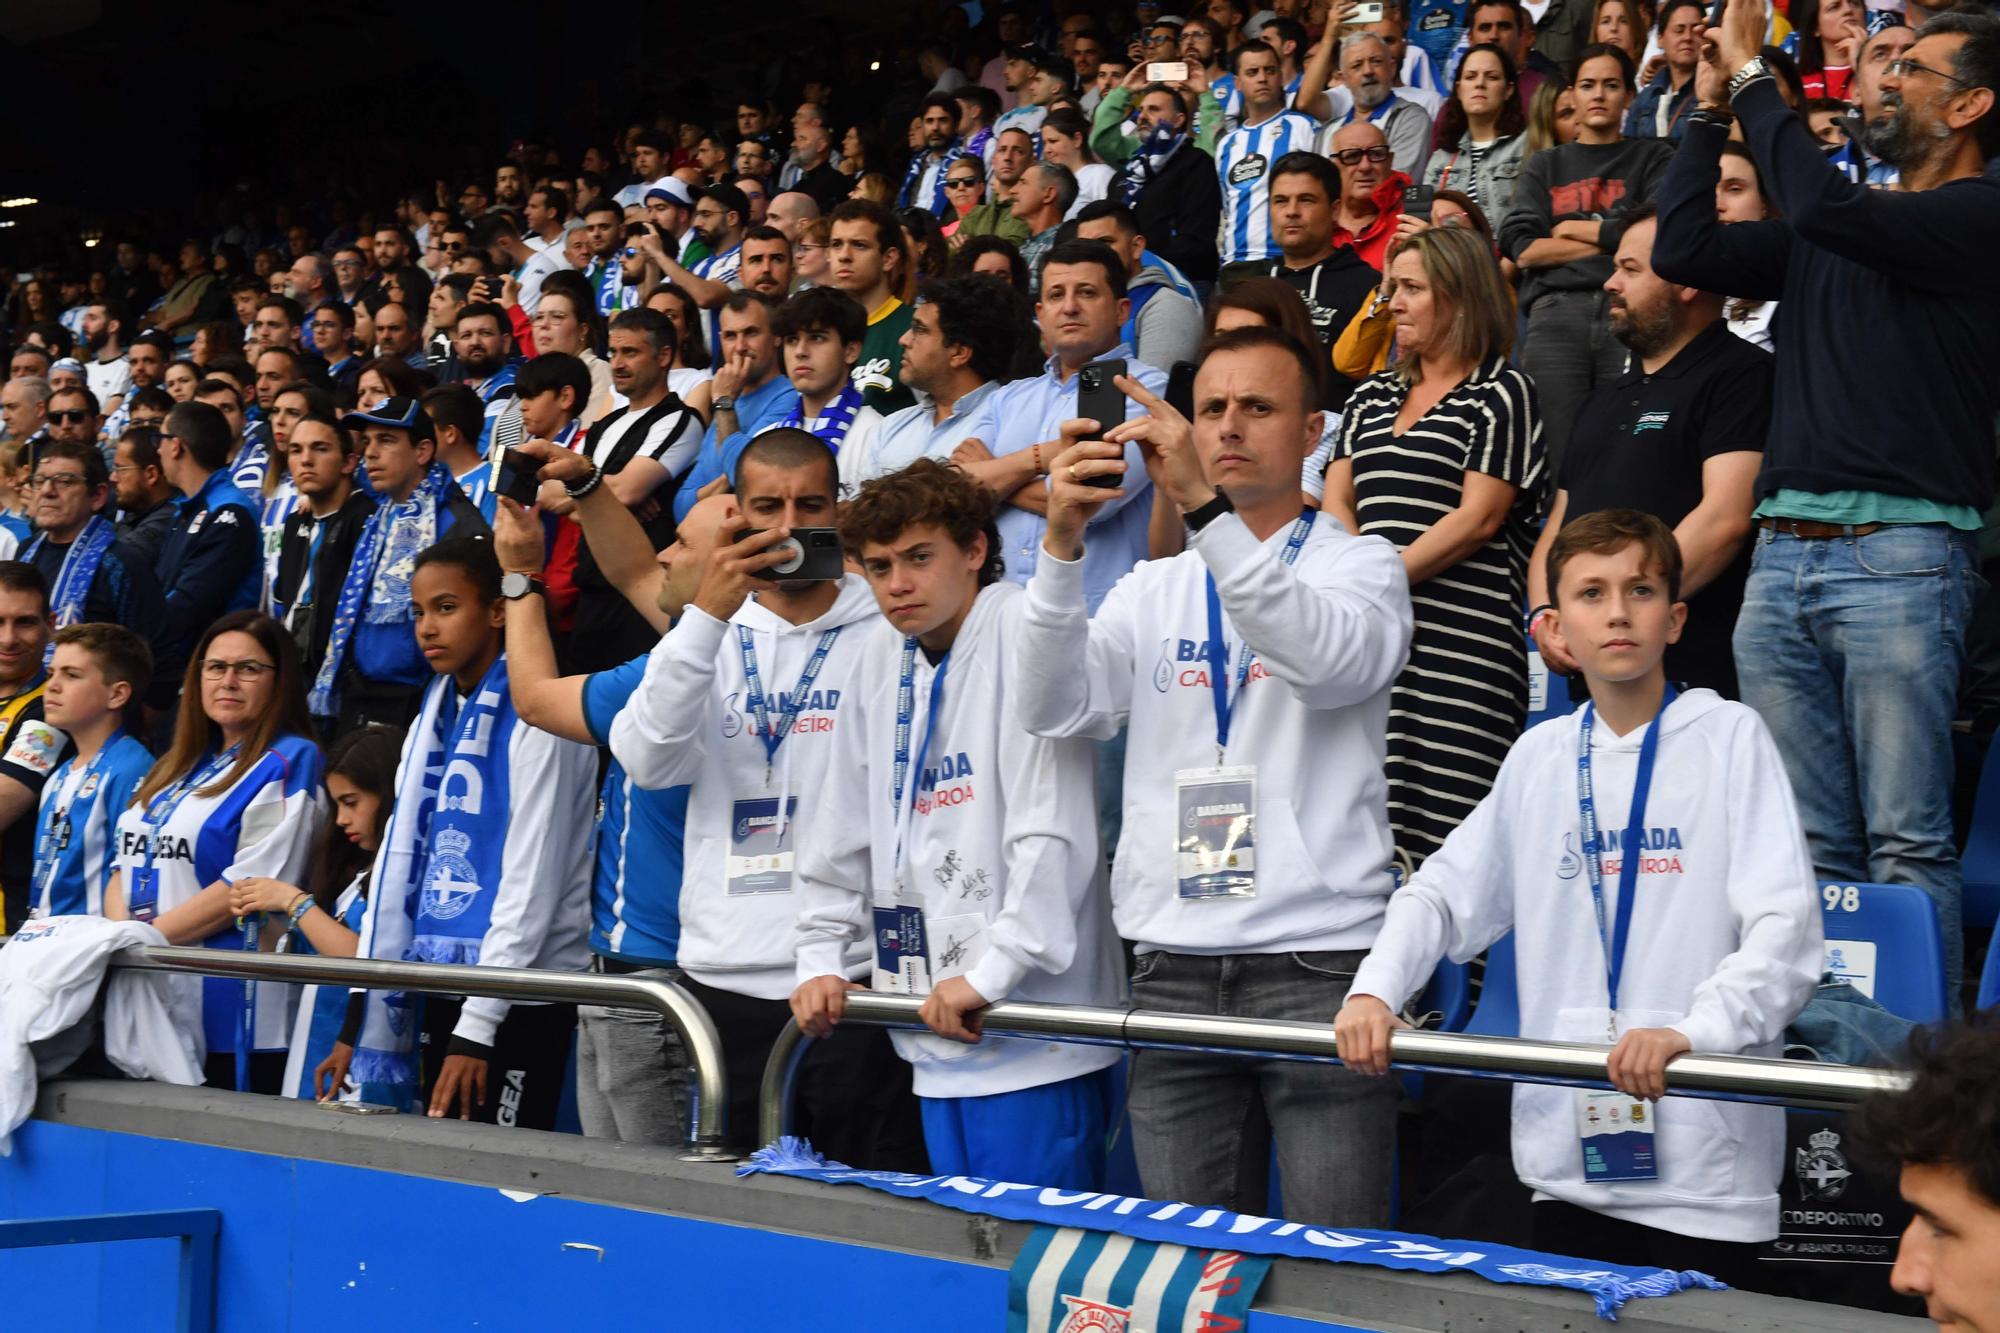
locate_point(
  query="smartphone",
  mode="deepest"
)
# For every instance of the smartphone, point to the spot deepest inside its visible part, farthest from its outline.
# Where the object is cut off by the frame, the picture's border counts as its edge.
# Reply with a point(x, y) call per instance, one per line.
point(1180, 388)
point(1418, 199)
point(517, 481)
point(814, 555)
point(1369, 11)
point(1715, 15)
point(1098, 398)
point(1170, 71)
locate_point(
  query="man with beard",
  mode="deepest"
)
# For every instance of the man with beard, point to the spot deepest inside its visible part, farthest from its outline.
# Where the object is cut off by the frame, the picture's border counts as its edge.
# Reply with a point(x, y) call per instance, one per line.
point(146, 360)
point(1855, 611)
point(1369, 76)
point(106, 370)
point(1680, 436)
point(1856, 157)
point(484, 342)
point(720, 215)
point(923, 184)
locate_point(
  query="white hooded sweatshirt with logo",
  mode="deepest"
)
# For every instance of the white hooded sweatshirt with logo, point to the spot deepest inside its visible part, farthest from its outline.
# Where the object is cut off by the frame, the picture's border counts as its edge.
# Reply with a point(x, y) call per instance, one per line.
point(1724, 947)
point(1329, 635)
point(687, 724)
point(1004, 830)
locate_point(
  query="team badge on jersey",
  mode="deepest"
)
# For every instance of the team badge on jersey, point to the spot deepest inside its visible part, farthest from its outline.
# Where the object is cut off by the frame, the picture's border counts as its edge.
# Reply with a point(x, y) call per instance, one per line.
point(452, 884)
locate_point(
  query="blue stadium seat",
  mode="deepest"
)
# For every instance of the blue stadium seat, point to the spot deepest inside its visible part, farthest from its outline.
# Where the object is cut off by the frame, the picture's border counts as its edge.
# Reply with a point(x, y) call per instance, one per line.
point(1981, 861)
point(1884, 939)
point(1989, 980)
point(1498, 1013)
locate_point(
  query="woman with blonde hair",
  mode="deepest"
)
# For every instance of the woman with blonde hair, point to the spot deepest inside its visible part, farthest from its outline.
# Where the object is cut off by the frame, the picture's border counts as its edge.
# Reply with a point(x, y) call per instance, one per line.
point(1442, 455)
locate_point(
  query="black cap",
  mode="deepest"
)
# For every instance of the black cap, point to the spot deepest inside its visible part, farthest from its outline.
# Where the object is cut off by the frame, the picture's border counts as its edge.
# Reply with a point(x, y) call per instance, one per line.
point(401, 413)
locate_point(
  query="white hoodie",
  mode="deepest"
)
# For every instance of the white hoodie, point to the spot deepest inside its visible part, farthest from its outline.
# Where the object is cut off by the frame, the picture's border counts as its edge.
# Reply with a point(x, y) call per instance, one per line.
point(1004, 834)
point(1330, 634)
point(1725, 944)
point(686, 724)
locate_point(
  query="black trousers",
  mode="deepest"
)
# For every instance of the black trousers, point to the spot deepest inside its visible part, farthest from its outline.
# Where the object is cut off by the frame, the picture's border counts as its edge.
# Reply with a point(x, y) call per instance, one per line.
point(524, 1081)
point(1564, 1228)
point(853, 1095)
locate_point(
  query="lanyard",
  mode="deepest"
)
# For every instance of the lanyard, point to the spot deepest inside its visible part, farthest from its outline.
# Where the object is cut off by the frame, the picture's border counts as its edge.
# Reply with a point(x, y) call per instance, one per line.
point(1218, 677)
point(160, 811)
point(50, 844)
point(906, 702)
point(1619, 934)
point(753, 692)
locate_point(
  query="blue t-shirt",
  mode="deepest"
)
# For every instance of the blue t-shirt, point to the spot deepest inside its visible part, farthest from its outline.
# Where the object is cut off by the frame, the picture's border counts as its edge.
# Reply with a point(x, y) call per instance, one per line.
point(635, 896)
point(1436, 26)
point(76, 834)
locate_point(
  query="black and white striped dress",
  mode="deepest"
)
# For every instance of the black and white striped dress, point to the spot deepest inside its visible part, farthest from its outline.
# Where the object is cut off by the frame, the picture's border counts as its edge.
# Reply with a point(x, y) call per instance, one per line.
point(1462, 700)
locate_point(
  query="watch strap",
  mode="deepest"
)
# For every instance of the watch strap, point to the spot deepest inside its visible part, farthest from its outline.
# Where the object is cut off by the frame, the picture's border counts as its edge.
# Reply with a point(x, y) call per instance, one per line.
point(1203, 515)
point(515, 585)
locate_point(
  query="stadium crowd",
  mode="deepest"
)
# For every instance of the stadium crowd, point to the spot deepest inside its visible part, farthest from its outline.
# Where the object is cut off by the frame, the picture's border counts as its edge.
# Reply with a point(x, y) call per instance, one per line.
point(1070, 541)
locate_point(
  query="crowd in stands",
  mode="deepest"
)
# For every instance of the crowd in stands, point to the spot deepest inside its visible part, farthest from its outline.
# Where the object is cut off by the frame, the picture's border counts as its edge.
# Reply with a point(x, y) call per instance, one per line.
point(1097, 549)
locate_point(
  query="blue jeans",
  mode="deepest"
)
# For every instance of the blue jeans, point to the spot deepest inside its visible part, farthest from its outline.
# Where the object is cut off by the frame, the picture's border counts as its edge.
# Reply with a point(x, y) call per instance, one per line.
point(1202, 1125)
point(1850, 649)
point(1050, 1135)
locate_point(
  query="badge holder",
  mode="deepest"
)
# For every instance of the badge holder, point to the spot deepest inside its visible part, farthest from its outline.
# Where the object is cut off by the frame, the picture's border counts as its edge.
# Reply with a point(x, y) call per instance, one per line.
point(142, 903)
point(1616, 1132)
point(760, 846)
point(1215, 832)
point(914, 953)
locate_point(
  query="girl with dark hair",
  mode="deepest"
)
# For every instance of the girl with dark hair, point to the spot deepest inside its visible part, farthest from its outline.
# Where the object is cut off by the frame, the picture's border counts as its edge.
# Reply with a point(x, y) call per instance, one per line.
point(361, 783)
point(1066, 142)
point(239, 793)
point(924, 235)
point(992, 256)
point(1482, 133)
point(384, 377)
point(1826, 36)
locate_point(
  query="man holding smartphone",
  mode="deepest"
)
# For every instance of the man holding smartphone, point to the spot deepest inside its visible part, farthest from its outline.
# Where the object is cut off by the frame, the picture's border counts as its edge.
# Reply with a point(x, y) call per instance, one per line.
point(1082, 307)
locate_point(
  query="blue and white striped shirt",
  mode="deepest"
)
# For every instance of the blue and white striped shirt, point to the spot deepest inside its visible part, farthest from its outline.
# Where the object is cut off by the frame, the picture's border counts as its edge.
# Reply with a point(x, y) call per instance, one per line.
point(1243, 159)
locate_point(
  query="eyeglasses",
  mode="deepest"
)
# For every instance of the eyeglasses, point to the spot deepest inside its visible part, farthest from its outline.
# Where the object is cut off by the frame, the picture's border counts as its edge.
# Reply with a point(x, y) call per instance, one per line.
point(70, 414)
point(960, 182)
point(1905, 67)
point(59, 480)
point(1351, 157)
point(214, 668)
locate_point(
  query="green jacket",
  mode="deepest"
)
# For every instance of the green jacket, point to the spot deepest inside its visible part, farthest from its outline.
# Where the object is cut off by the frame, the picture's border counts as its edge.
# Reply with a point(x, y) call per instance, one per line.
point(1113, 146)
point(994, 219)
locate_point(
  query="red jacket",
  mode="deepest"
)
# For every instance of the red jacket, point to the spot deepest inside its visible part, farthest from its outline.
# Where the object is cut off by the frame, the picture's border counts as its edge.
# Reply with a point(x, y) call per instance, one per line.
point(1372, 243)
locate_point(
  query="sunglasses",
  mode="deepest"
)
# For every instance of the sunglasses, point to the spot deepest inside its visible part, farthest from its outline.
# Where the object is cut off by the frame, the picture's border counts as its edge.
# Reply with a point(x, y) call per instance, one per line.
point(70, 414)
point(960, 182)
point(1351, 157)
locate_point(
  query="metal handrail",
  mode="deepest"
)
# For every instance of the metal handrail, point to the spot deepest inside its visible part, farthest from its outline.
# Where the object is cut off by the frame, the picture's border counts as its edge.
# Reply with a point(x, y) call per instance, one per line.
point(1721, 1077)
point(670, 1002)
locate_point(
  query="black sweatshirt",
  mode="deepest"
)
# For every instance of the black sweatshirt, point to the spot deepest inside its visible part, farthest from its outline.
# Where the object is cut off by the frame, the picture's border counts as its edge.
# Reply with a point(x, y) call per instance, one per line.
point(1888, 358)
point(1579, 182)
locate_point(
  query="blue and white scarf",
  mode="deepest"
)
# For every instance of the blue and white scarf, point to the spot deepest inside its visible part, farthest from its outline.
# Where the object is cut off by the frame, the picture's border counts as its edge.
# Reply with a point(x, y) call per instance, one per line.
point(79, 570)
point(831, 425)
point(935, 205)
point(435, 879)
point(384, 558)
point(976, 145)
point(1151, 159)
point(252, 461)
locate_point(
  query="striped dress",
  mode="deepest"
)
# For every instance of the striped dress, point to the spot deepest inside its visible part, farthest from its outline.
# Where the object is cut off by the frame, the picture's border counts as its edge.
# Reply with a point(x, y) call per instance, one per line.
point(1463, 698)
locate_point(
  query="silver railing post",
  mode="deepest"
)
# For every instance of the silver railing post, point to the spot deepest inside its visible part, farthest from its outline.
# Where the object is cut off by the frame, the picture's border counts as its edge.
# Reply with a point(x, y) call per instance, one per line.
point(1721, 1077)
point(676, 1006)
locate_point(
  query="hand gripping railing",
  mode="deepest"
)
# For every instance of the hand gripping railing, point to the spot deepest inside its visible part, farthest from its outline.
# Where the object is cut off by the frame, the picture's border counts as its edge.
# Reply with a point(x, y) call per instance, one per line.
point(1724, 1077)
point(676, 1006)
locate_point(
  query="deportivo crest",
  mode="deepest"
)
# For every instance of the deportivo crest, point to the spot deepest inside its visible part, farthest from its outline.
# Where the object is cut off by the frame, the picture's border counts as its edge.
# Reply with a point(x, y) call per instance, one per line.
point(876, 375)
point(452, 884)
point(1821, 1167)
point(1085, 1316)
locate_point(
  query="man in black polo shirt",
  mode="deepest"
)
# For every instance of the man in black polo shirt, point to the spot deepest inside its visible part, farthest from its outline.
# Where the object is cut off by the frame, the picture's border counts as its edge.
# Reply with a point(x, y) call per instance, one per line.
point(1334, 282)
point(1679, 435)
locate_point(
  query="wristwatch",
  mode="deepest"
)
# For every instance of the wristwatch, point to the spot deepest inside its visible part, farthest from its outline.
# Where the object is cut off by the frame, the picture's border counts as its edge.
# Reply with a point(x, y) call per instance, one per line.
point(1754, 69)
point(515, 586)
point(1203, 515)
point(723, 403)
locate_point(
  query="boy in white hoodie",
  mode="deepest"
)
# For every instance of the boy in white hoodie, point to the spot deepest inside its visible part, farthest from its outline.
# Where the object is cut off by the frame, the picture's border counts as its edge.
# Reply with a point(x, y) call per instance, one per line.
point(963, 846)
point(1648, 857)
point(741, 703)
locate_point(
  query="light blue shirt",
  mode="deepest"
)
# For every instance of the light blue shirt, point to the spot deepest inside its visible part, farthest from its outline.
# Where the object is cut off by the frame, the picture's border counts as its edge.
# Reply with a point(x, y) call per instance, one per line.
point(915, 433)
point(1028, 412)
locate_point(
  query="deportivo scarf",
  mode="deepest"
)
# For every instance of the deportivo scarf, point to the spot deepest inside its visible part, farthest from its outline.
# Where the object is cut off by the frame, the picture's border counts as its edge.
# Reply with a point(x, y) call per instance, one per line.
point(384, 558)
point(79, 570)
point(442, 854)
point(831, 425)
point(1145, 165)
point(935, 205)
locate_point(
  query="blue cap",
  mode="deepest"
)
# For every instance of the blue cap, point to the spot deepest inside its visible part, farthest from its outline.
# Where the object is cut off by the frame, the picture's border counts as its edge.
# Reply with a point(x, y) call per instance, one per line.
point(401, 413)
point(67, 363)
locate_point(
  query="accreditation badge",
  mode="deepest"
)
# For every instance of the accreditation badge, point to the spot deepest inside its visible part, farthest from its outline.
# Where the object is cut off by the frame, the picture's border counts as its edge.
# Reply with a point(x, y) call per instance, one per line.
point(913, 952)
point(142, 894)
point(760, 846)
point(1215, 831)
point(1617, 1136)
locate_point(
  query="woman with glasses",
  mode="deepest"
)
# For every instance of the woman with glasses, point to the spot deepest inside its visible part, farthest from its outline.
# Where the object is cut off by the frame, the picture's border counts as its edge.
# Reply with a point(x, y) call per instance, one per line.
point(566, 320)
point(238, 793)
point(1442, 456)
point(1482, 134)
point(964, 190)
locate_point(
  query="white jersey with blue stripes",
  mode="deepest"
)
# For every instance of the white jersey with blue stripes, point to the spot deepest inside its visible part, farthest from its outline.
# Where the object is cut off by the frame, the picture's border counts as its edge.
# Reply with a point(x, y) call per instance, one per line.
point(1243, 159)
